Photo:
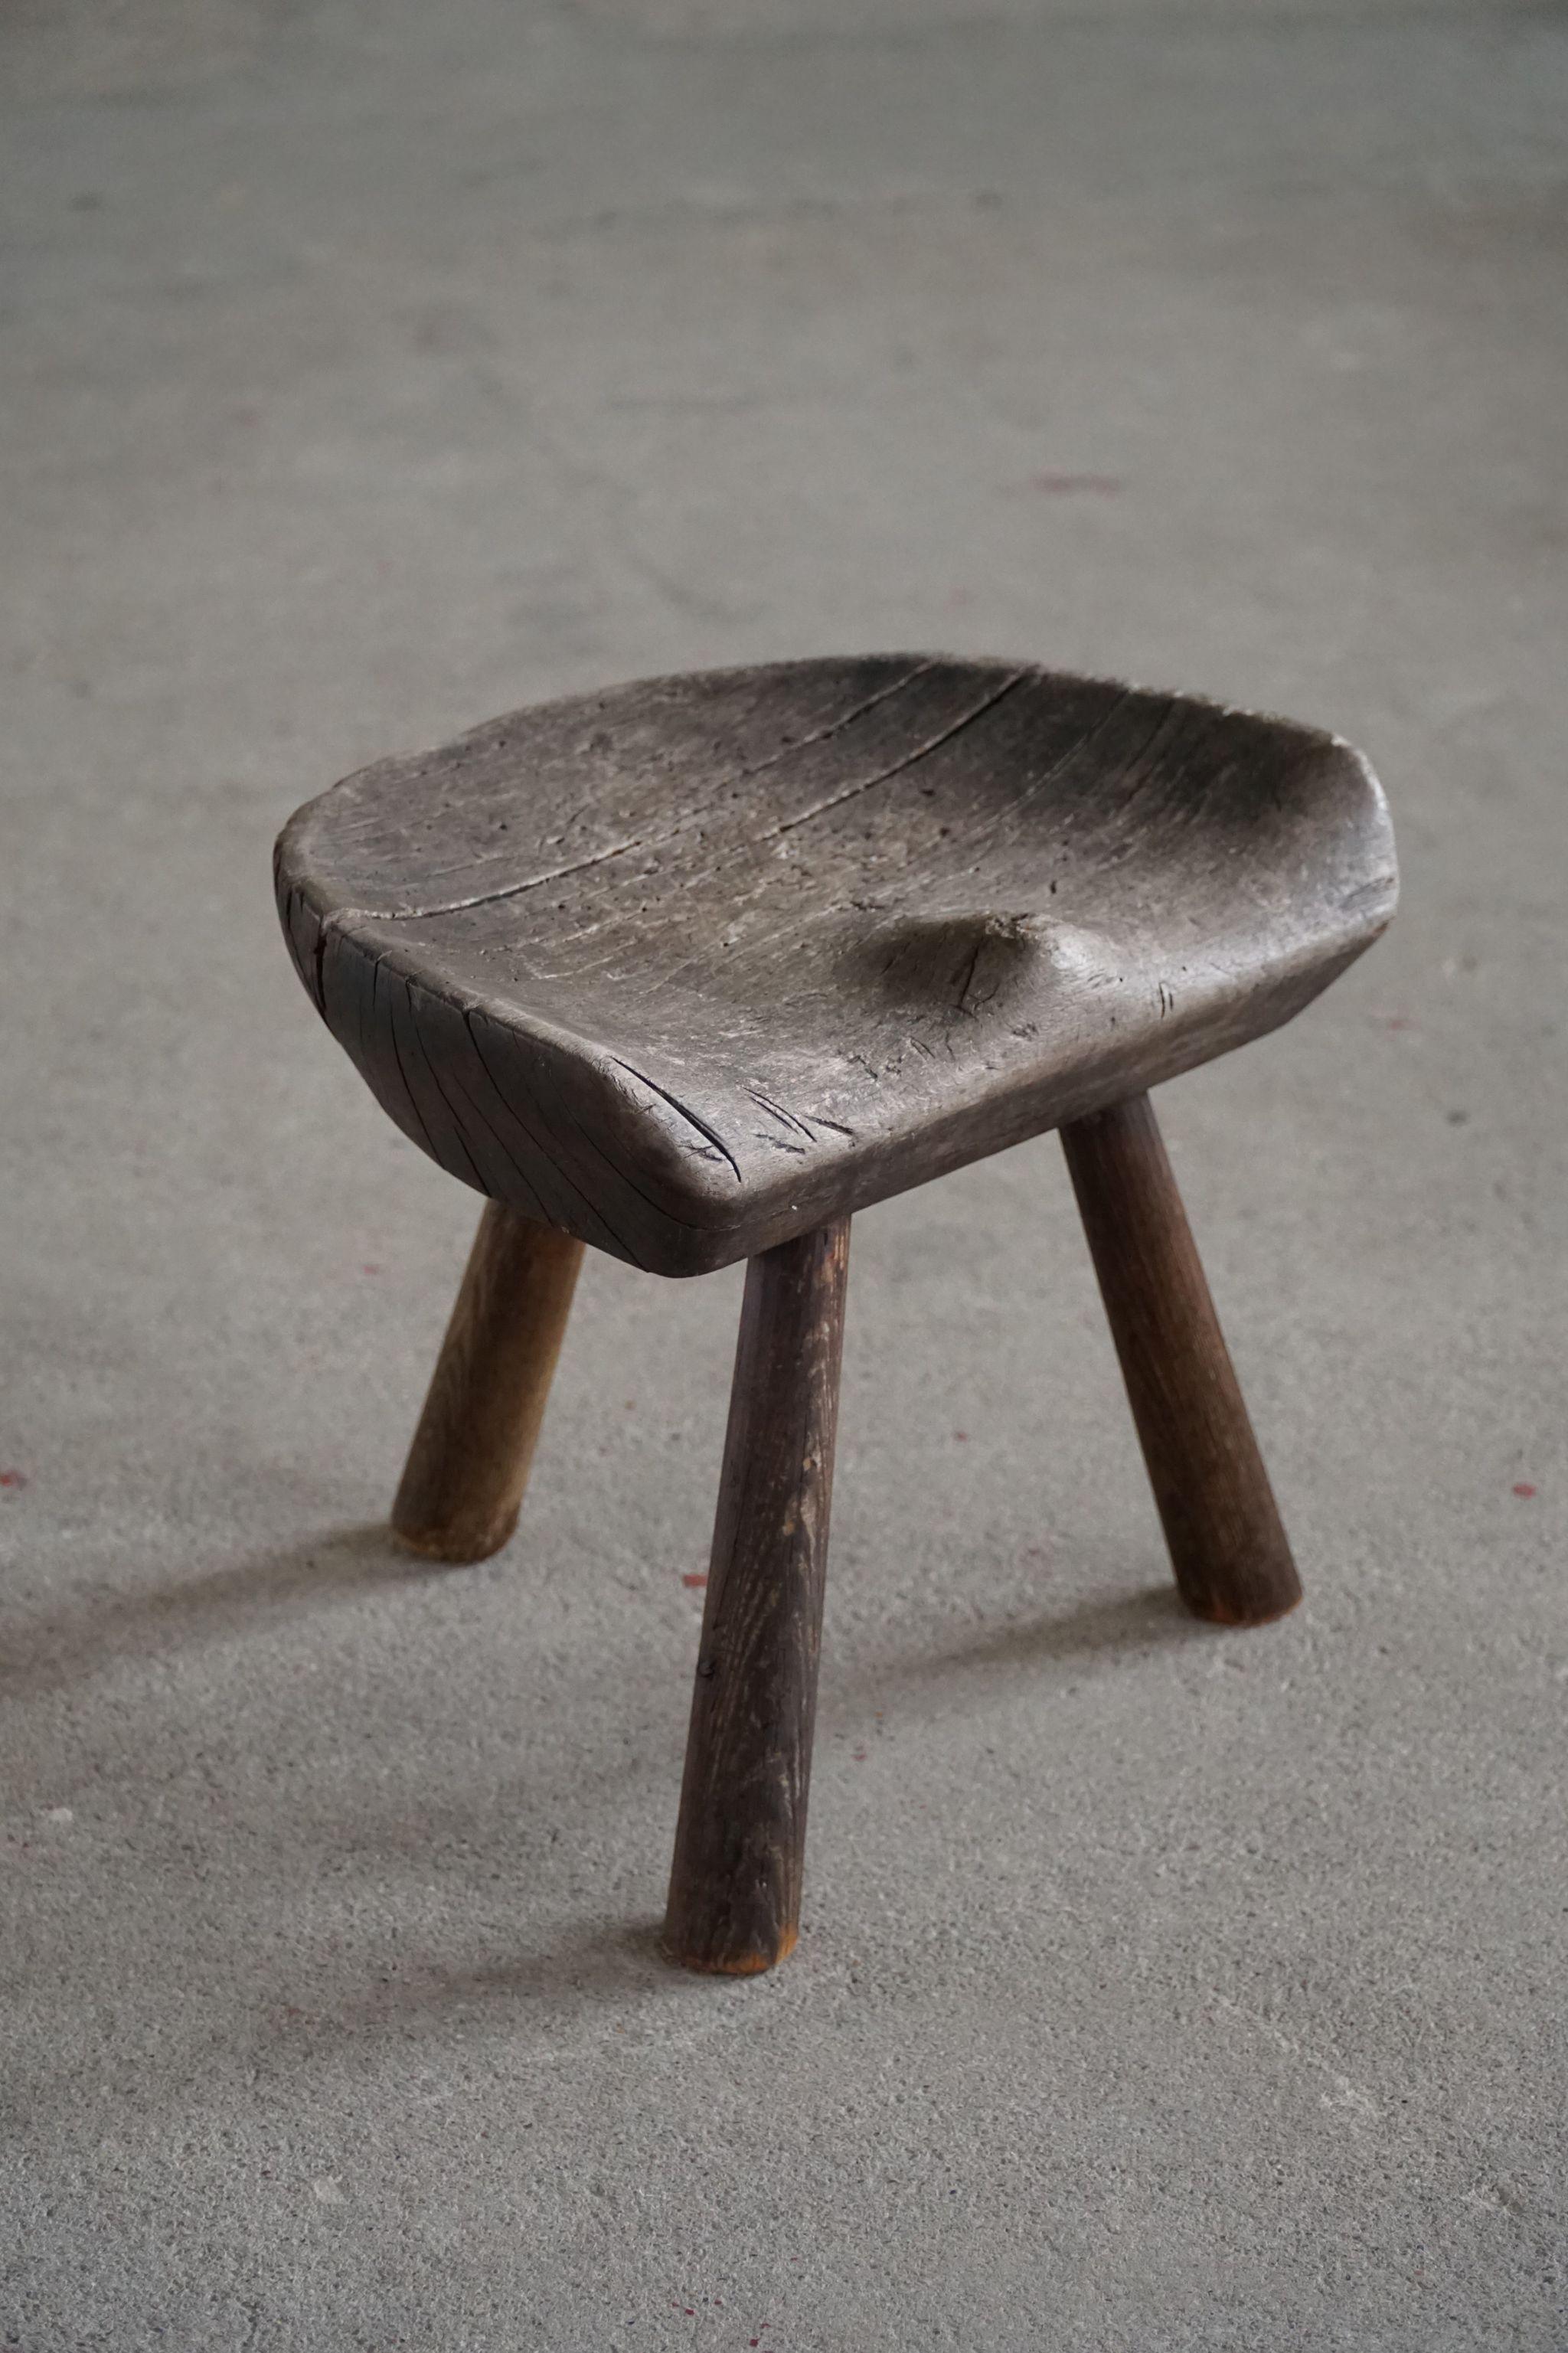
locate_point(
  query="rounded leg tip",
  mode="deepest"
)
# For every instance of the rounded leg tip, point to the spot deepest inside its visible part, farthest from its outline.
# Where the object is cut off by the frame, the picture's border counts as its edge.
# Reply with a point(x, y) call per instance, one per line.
point(726, 1961)
point(1266, 1609)
point(458, 1547)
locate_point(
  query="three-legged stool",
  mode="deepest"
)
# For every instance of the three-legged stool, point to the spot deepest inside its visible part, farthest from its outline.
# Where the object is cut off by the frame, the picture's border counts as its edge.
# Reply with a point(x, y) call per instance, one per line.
point(693, 969)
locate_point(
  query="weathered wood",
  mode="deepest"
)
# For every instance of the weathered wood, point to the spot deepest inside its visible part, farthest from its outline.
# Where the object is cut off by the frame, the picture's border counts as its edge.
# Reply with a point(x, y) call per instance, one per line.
point(697, 963)
point(734, 1892)
point(1228, 1546)
point(462, 1487)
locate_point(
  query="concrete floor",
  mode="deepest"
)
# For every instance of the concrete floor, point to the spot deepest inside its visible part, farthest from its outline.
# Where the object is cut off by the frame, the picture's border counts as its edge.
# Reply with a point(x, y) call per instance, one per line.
point(371, 367)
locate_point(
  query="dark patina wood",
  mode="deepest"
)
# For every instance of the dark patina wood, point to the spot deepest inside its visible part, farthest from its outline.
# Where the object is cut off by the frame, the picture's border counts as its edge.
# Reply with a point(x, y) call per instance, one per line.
point(697, 963)
point(734, 1894)
point(693, 968)
point(1228, 1546)
point(468, 1464)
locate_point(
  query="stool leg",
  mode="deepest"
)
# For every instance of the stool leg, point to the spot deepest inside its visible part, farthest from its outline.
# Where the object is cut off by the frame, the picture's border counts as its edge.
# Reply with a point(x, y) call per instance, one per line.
point(734, 1890)
point(462, 1486)
point(1229, 1548)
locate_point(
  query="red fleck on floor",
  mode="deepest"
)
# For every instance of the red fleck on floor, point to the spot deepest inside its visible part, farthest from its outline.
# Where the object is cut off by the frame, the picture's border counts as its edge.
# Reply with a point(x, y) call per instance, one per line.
point(1524, 1487)
point(694, 1577)
point(13, 1478)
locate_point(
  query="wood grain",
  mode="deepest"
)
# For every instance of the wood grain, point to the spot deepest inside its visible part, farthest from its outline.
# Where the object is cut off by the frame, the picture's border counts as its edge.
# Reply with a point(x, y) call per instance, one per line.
point(463, 1484)
point(1228, 1546)
point(697, 963)
point(734, 1892)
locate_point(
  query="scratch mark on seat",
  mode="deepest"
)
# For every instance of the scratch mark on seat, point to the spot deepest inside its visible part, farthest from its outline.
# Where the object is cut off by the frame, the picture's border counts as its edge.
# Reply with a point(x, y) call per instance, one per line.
point(908, 760)
point(552, 1160)
point(477, 1112)
point(966, 981)
point(686, 1112)
point(663, 840)
point(391, 1032)
point(790, 1118)
point(1064, 760)
point(618, 1168)
point(457, 1135)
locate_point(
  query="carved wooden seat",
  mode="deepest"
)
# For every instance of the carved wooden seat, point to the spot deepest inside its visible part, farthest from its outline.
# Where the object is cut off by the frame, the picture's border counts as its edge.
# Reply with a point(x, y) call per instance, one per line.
point(693, 969)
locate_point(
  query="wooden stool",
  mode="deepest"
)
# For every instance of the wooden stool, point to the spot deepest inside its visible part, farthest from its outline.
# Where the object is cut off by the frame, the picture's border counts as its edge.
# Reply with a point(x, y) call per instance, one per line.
point(693, 969)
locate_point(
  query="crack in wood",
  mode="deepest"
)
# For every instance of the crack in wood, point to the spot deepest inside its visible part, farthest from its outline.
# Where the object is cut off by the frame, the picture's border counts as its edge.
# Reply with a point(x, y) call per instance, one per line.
point(813, 938)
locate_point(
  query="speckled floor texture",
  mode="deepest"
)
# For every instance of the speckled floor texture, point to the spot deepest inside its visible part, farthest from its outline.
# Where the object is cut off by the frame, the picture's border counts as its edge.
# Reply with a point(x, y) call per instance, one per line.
point(371, 367)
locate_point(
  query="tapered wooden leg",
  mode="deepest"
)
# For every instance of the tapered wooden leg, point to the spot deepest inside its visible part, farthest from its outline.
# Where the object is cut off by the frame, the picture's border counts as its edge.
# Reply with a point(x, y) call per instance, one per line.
point(468, 1464)
point(734, 1890)
point(1228, 1546)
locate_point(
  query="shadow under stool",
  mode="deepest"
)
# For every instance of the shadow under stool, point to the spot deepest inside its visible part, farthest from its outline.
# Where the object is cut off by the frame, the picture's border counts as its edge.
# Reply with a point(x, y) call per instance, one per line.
point(693, 969)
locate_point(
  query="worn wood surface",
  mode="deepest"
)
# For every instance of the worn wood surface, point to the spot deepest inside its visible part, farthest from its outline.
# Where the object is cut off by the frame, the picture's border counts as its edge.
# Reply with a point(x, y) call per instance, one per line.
point(468, 1464)
point(734, 1892)
point(1228, 1546)
point(693, 964)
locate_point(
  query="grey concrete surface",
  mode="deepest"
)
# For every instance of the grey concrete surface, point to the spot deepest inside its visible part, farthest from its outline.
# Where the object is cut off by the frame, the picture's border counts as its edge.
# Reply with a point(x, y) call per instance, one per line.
point(369, 368)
